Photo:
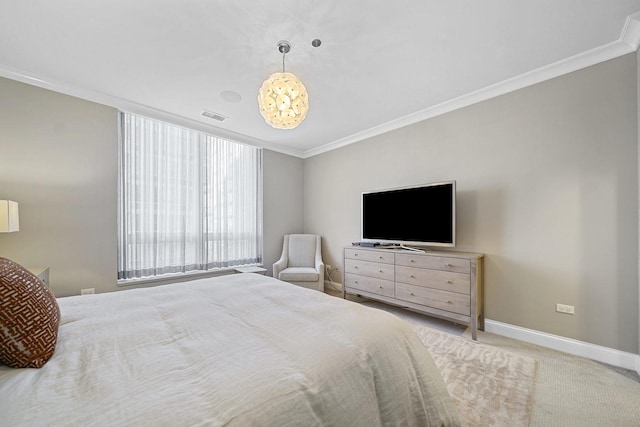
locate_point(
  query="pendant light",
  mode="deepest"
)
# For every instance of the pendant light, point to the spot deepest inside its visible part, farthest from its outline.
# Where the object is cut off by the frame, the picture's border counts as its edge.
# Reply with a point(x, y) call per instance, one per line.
point(283, 99)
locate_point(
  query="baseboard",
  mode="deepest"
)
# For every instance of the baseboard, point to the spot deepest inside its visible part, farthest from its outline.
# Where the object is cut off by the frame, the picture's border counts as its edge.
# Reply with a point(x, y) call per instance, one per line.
point(331, 284)
point(610, 356)
point(596, 352)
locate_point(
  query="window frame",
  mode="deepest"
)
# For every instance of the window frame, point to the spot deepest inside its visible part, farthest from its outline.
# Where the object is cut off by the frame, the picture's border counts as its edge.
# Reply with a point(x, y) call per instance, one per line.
point(206, 266)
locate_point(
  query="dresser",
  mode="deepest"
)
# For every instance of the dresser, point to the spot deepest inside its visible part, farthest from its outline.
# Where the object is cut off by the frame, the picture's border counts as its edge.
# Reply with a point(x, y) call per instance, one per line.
point(443, 284)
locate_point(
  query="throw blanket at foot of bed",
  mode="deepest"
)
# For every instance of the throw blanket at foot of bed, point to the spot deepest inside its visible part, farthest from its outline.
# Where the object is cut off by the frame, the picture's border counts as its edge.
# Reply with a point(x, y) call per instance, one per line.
point(242, 349)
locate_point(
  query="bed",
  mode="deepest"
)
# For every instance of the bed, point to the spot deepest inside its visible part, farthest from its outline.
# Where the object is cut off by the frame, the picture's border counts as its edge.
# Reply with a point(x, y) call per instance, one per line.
point(236, 350)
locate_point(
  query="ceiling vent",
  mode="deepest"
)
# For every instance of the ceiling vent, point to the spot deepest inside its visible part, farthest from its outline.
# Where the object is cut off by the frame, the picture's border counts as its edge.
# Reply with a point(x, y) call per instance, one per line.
point(214, 116)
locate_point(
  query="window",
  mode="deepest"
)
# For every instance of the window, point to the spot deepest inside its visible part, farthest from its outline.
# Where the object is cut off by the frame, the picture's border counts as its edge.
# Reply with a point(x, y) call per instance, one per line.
point(187, 201)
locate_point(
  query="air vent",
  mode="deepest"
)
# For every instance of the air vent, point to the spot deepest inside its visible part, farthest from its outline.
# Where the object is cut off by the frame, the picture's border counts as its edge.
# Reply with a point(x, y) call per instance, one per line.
point(214, 116)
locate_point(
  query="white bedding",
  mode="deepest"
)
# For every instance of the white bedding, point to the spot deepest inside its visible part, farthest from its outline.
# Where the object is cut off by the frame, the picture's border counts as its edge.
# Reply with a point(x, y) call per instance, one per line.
point(243, 349)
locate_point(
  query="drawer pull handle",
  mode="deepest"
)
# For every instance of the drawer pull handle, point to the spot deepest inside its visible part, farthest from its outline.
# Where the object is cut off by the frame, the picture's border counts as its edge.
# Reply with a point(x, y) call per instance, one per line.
point(449, 302)
point(379, 257)
point(450, 282)
point(412, 294)
point(449, 265)
point(412, 276)
point(380, 271)
point(356, 282)
point(412, 260)
point(380, 287)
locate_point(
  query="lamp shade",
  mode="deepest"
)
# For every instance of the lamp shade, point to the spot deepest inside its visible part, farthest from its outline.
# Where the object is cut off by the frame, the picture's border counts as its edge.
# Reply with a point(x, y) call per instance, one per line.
point(9, 221)
point(283, 101)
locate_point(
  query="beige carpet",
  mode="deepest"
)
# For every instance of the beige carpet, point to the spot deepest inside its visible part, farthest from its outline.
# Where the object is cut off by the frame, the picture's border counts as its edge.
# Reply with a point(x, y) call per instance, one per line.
point(569, 390)
point(490, 387)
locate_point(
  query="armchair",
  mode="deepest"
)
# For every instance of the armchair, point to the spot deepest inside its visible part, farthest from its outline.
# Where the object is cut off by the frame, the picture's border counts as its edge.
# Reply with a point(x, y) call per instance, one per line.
point(301, 261)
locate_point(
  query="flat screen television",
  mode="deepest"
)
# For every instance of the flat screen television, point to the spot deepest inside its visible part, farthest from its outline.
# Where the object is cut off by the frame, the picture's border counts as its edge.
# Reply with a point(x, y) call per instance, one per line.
point(421, 215)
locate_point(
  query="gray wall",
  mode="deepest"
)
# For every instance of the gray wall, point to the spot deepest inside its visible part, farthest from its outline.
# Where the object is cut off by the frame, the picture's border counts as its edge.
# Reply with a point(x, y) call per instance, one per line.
point(283, 192)
point(58, 160)
point(547, 180)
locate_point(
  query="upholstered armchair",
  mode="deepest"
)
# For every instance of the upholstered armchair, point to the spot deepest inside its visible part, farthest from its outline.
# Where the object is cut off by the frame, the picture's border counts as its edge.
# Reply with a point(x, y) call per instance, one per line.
point(301, 261)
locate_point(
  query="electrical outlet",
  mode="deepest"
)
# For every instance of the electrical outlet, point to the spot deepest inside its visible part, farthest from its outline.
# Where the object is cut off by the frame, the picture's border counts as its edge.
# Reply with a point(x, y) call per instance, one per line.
point(563, 308)
point(87, 291)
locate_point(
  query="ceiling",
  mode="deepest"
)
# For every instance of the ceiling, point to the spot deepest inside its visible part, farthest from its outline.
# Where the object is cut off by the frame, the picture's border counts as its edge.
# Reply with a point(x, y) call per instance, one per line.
point(381, 65)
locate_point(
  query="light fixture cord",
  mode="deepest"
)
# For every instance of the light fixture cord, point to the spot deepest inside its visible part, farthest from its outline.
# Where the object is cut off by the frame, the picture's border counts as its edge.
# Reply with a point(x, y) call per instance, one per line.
point(283, 54)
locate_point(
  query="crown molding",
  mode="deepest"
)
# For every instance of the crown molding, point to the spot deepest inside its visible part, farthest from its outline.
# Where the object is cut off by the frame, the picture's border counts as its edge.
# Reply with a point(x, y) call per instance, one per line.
point(140, 109)
point(627, 43)
point(631, 31)
point(136, 108)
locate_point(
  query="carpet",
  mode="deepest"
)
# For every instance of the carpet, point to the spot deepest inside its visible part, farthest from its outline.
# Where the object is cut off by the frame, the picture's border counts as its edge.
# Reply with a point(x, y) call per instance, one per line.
point(490, 387)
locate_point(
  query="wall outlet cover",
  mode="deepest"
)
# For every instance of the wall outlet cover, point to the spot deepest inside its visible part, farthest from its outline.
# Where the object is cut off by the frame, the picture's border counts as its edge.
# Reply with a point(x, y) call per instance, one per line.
point(566, 309)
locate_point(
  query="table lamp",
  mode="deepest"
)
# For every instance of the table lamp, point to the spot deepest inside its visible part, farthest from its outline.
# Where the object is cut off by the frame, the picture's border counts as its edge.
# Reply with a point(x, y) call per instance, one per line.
point(9, 221)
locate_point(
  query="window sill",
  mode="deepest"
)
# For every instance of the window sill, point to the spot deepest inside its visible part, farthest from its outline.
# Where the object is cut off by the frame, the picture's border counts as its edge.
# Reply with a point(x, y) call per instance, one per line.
point(165, 279)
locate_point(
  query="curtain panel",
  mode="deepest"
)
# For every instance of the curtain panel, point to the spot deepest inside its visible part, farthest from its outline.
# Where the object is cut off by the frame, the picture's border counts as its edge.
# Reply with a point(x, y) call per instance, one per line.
point(187, 201)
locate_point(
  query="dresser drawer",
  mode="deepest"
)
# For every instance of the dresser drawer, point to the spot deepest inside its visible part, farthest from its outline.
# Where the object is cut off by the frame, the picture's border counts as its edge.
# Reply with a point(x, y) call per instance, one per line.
point(365, 255)
point(436, 279)
point(455, 265)
point(369, 284)
point(367, 268)
point(449, 301)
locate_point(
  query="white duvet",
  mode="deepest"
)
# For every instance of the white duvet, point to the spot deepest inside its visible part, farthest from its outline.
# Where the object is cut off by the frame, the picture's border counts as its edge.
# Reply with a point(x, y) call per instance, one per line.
point(237, 350)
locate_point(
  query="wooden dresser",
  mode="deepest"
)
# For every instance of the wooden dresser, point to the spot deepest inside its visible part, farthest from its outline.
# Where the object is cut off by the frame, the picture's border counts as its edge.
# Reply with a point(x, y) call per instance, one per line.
point(442, 284)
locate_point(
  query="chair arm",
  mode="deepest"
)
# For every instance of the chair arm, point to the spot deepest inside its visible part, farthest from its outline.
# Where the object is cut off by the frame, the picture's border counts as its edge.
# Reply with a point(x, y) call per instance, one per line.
point(279, 265)
point(320, 267)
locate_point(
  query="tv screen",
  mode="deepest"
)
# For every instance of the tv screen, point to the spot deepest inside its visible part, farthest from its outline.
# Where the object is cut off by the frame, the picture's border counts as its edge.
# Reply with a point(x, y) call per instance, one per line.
point(423, 215)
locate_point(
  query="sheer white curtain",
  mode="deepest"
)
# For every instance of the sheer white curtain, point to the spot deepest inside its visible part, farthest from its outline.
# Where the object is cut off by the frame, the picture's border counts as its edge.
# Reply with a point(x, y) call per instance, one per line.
point(186, 200)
